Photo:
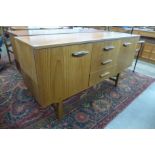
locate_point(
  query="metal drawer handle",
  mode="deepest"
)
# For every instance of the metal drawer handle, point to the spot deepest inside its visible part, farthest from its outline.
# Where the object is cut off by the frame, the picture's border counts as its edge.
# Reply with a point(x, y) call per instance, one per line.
point(108, 48)
point(141, 42)
point(105, 74)
point(106, 62)
point(79, 53)
point(126, 44)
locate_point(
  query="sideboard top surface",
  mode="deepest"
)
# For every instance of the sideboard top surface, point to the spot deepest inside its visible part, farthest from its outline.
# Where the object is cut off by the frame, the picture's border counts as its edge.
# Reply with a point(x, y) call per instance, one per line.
point(52, 31)
point(34, 27)
point(44, 41)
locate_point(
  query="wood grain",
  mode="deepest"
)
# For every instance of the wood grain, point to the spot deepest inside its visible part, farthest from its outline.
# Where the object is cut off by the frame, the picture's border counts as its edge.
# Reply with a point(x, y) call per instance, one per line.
point(148, 52)
point(61, 75)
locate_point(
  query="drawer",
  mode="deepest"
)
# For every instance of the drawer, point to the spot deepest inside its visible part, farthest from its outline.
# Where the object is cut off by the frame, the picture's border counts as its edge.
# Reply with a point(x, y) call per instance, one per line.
point(104, 54)
point(102, 63)
point(136, 32)
point(146, 55)
point(147, 47)
point(101, 75)
point(152, 56)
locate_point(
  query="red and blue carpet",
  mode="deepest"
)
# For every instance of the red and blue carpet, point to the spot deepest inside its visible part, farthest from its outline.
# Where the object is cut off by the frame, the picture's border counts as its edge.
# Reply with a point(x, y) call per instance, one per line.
point(93, 108)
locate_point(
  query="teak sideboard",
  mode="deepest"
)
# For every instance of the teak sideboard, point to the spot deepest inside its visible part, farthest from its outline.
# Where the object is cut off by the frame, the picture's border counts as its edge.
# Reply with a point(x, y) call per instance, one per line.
point(55, 67)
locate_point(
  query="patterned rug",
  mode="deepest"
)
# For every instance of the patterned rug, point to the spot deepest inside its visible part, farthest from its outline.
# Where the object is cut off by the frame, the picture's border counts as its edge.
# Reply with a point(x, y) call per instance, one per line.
point(92, 108)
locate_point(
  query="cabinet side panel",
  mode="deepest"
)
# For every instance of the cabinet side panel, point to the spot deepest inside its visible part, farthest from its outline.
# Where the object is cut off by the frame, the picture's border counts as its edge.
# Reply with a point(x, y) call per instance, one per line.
point(27, 66)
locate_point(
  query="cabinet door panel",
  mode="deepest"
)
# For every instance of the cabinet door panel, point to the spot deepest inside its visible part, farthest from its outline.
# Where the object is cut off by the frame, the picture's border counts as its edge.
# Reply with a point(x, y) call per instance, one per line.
point(78, 67)
point(62, 72)
point(126, 53)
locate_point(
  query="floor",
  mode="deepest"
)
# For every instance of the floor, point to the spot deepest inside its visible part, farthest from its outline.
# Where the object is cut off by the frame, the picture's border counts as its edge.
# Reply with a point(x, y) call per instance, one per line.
point(140, 114)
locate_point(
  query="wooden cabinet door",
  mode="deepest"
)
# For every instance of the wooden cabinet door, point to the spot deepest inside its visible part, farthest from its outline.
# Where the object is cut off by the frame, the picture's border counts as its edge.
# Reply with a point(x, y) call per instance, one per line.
point(78, 58)
point(126, 53)
point(62, 71)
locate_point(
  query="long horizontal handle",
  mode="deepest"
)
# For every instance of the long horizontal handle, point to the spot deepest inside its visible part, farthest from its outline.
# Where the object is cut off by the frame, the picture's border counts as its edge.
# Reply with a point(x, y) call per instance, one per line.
point(108, 48)
point(126, 44)
point(105, 74)
point(106, 62)
point(79, 53)
point(141, 41)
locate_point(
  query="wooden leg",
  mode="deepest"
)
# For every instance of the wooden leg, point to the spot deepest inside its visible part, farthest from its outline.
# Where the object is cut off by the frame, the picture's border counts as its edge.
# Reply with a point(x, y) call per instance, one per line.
point(9, 57)
point(1, 67)
point(59, 110)
point(138, 54)
point(117, 78)
point(17, 65)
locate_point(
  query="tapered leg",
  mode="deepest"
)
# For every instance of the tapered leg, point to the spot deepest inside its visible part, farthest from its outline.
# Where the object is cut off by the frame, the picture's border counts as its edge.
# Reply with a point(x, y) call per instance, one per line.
point(59, 110)
point(138, 54)
point(1, 65)
point(117, 78)
point(17, 65)
point(9, 57)
point(137, 57)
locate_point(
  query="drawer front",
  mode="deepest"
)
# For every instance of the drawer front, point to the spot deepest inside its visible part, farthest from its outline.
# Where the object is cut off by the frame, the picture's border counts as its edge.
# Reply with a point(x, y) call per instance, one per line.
point(146, 55)
point(152, 57)
point(148, 47)
point(148, 51)
point(101, 75)
point(104, 55)
point(136, 32)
